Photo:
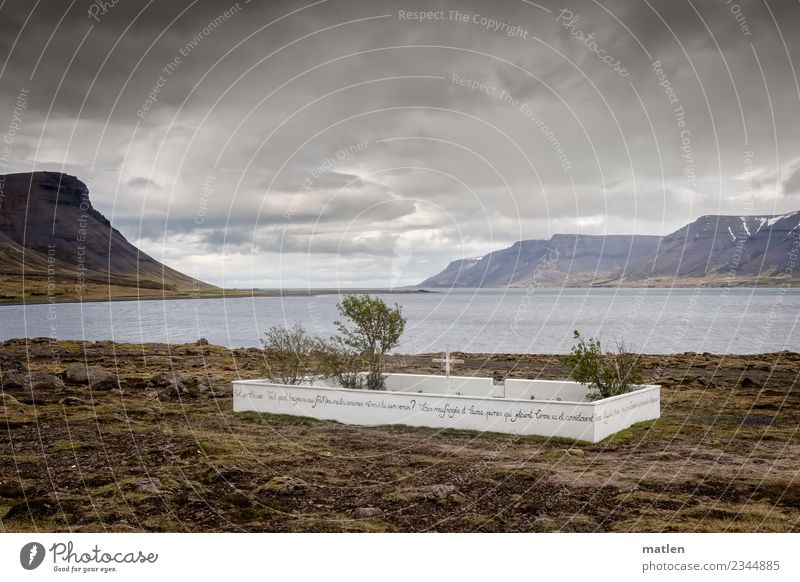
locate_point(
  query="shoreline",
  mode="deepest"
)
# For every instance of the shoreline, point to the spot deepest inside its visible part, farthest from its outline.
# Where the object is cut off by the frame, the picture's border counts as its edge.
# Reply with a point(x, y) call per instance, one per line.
point(229, 294)
point(392, 359)
point(42, 298)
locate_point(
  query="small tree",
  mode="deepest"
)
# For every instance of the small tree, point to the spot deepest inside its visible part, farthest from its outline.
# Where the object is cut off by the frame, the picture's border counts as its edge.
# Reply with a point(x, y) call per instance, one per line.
point(342, 363)
point(608, 373)
point(373, 330)
point(289, 353)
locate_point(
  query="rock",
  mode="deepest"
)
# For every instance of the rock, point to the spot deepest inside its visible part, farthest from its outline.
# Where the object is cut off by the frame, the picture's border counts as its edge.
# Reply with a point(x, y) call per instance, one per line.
point(748, 382)
point(40, 351)
point(148, 485)
point(168, 385)
point(73, 401)
point(166, 379)
point(14, 379)
point(202, 342)
point(94, 377)
point(576, 452)
point(442, 491)
point(33, 387)
point(366, 512)
point(45, 381)
point(9, 364)
point(284, 485)
point(199, 390)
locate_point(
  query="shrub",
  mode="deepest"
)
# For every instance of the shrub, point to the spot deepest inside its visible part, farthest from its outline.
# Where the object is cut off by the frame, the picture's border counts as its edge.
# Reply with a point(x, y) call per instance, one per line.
point(289, 354)
point(341, 363)
point(608, 373)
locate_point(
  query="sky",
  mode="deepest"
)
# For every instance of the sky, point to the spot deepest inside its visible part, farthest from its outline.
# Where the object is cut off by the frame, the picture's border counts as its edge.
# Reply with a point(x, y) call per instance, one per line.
point(336, 143)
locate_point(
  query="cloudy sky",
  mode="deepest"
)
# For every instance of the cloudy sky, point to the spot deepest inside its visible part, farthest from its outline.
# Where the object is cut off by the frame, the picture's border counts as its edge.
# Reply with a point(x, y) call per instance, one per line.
point(343, 143)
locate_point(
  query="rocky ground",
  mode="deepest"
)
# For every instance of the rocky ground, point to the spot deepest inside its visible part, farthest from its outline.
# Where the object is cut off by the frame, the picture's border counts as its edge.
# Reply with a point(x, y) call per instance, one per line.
point(122, 437)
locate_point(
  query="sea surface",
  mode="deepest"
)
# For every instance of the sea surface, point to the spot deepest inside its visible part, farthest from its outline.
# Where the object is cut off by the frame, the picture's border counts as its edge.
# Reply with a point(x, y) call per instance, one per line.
point(535, 320)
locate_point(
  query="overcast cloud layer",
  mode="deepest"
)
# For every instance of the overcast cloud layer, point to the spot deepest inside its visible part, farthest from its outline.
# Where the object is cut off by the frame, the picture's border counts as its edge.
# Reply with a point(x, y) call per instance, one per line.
point(344, 143)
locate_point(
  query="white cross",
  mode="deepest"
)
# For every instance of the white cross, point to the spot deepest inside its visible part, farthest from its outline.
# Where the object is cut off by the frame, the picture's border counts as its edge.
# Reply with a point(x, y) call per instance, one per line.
point(447, 360)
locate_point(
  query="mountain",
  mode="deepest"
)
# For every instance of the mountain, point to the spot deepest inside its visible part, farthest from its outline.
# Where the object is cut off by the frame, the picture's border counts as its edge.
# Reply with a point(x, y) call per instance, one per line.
point(713, 250)
point(762, 249)
point(52, 235)
point(564, 259)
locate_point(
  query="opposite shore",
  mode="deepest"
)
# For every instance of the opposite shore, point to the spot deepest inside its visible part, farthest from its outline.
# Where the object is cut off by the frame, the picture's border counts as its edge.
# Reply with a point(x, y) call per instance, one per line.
point(39, 299)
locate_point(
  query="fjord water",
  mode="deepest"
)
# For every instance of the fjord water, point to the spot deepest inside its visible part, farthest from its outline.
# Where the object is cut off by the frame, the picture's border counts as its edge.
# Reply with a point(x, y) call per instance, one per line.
point(536, 320)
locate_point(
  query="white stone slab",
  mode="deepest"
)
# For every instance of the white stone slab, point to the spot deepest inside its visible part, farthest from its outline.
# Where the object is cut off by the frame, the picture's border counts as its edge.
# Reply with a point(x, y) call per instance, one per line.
point(544, 390)
point(587, 421)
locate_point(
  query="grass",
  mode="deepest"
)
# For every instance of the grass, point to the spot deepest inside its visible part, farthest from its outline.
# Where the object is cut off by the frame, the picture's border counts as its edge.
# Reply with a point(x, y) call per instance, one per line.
point(640, 430)
point(64, 446)
point(678, 473)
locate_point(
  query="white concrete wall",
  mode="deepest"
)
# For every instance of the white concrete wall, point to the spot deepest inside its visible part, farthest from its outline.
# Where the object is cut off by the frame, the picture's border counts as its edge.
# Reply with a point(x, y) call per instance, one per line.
point(545, 390)
point(583, 421)
point(464, 385)
point(619, 412)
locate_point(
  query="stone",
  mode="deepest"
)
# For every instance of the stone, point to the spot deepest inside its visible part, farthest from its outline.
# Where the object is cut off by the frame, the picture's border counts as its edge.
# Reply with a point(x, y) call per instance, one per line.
point(45, 381)
point(442, 491)
point(94, 377)
point(202, 342)
point(166, 379)
point(148, 485)
point(33, 387)
point(168, 385)
point(198, 390)
point(284, 485)
point(366, 512)
point(9, 364)
point(748, 382)
point(576, 452)
point(14, 379)
point(73, 401)
point(40, 351)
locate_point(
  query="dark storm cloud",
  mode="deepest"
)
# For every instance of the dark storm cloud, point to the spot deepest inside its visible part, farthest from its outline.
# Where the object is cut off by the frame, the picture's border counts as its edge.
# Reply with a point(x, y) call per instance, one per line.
point(349, 129)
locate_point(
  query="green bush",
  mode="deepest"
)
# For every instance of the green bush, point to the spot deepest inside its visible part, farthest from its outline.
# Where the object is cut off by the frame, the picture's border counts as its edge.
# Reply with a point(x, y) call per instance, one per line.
point(373, 329)
point(289, 354)
point(608, 373)
point(341, 363)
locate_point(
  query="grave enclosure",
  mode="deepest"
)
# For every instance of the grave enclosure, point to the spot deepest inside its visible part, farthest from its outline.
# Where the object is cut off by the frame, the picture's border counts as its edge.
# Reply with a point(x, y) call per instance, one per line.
point(522, 407)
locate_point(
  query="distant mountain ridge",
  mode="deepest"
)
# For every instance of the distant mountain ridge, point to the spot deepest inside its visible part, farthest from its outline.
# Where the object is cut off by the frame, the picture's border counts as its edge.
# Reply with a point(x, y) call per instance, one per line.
point(51, 234)
point(712, 250)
